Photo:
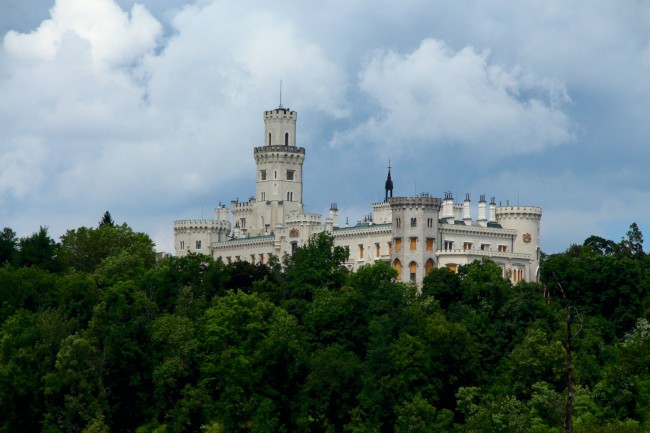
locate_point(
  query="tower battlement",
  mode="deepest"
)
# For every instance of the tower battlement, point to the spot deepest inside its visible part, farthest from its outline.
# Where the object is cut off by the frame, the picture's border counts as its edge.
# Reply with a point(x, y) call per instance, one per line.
point(280, 113)
point(280, 127)
point(528, 212)
point(423, 201)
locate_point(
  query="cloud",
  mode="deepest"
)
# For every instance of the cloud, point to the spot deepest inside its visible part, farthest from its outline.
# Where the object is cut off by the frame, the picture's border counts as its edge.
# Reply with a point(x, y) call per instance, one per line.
point(434, 97)
point(115, 37)
point(99, 112)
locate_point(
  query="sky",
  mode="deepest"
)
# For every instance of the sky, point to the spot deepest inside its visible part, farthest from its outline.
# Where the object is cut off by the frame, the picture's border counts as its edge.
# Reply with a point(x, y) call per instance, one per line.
point(151, 109)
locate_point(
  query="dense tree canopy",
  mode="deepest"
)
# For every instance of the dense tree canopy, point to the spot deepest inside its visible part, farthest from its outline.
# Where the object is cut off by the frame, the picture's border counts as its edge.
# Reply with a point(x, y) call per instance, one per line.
point(96, 336)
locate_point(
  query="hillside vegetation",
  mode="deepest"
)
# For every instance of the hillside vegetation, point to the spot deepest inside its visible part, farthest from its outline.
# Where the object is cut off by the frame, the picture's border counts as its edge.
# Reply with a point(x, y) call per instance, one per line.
point(96, 336)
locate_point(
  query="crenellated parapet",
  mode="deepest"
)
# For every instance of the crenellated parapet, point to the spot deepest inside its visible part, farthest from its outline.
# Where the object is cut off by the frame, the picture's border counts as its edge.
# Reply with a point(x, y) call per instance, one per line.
point(197, 225)
point(295, 218)
point(518, 212)
point(422, 201)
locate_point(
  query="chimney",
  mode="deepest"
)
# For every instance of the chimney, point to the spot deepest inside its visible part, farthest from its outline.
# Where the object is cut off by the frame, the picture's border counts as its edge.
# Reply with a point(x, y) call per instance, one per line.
point(466, 210)
point(482, 219)
point(493, 211)
point(448, 206)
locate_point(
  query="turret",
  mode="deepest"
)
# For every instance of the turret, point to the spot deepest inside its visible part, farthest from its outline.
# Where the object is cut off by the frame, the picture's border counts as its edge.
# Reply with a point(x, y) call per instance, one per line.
point(526, 221)
point(280, 127)
point(222, 213)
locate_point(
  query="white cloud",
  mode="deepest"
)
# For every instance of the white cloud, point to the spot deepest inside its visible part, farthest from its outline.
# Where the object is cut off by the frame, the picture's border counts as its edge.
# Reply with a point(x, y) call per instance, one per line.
point(114, 120)
point(435, 96)
point(114, 37)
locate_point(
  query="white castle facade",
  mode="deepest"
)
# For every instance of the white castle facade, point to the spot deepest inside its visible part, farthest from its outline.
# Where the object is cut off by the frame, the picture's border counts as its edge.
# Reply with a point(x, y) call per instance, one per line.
point(413, 234)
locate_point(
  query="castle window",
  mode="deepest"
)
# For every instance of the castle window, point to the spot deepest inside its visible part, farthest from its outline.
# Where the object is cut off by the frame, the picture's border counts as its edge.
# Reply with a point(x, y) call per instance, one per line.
point(290, 174)
point(237, 259)
point(275, 174)
point(252, 259)
point(398, 267)
point(377, 250)
point(361, 251)
point(286, 138)
point(485, 247)
point(289, 196)
point(294, 247)
point(429, 244)
point(503, 249)
point(228, 260)
point(269, 138)
point(414, 244)
point(398, 222)
point(413, 267)
point(449, 245)
point(429, 222)
point(182, 245)
point(390, 248)
point(452, 267)
point(243, 223)
point(262, 174)
point(263, 196)
point(398, 244)
point(198, 245)
point(261, 259)
point(467, 246)
point(414, 222)
point(429, 266)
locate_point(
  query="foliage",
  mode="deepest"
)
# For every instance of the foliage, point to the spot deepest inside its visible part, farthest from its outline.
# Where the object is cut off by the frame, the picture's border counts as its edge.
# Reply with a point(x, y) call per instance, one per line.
point(97, 336)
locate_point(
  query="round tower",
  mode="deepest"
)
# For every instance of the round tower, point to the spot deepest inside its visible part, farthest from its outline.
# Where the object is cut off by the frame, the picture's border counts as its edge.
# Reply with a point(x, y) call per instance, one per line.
point(279, 172)
point(526, 221)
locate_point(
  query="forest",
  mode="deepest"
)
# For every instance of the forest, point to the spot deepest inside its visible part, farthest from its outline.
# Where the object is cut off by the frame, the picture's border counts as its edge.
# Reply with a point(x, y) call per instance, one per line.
point(96, 335)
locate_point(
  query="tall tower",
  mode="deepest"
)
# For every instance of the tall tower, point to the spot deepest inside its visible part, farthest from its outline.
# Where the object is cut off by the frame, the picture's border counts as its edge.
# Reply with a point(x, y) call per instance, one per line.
point(414, 231)
point(278, 189)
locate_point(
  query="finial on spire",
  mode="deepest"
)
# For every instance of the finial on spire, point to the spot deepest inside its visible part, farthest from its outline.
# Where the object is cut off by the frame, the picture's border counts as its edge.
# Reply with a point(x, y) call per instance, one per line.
point(280, 94)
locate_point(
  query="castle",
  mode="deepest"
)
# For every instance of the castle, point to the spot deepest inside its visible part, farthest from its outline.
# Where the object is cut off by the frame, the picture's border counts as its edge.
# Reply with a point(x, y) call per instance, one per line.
point(413, 234)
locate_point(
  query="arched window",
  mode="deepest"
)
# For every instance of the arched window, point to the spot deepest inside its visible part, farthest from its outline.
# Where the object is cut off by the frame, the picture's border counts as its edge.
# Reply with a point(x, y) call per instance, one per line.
point(398, 267)
point(286, 138)
point(429, 265)
point(269, 138)
point(414, 222)
point(413, 268)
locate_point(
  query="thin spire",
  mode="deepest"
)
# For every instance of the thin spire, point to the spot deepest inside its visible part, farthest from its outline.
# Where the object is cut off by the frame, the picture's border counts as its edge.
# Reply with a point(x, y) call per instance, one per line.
point(389, 184)
point(280, 93)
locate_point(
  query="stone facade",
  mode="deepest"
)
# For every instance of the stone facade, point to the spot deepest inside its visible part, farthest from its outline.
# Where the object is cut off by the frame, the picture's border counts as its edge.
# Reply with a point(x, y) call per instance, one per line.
point(413, 234)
